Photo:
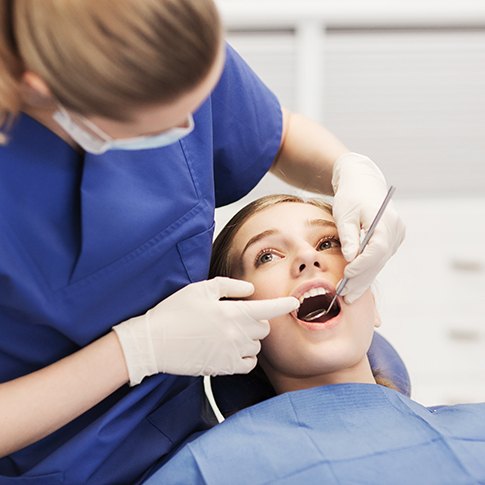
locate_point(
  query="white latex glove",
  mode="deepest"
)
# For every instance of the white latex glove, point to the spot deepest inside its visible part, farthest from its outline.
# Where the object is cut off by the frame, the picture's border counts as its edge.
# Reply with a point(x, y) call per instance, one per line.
point(193, 333)
point(360, 188)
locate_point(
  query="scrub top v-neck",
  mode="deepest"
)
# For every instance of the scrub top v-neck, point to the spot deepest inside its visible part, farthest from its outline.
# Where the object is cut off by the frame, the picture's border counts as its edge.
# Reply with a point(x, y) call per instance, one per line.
point(87, 241)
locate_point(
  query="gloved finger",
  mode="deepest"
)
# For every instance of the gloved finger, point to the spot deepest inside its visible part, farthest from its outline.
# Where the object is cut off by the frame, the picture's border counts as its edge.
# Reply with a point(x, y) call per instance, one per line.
point(393, 229)
point(222, 287)
point(357, 288)
point(349, 233)
point(251, 348)
point(390, 228)
point(361, 273)
point(251, 327)
point(246, 365)
point(347, 219)
point(268, 309)
point(370, 261)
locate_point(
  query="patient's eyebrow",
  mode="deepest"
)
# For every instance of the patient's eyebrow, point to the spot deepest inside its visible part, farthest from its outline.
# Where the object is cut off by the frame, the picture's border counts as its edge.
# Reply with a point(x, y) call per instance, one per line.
point(321, 222)
point(257, 238)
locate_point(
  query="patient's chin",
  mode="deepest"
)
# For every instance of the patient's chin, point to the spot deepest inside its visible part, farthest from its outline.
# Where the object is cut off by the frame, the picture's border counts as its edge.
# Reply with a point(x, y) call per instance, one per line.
point(316, 363)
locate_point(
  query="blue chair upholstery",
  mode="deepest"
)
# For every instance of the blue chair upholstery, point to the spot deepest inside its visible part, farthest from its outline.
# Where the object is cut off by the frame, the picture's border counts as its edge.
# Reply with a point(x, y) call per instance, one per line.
point(384, 358)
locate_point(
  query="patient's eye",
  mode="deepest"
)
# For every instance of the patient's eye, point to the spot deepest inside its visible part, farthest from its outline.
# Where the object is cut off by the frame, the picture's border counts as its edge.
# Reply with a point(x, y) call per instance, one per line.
point(266, 256)
point(328, 242)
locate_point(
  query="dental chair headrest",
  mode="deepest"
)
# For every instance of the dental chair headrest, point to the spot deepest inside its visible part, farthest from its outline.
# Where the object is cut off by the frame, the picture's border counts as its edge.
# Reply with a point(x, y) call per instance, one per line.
point(233, 393)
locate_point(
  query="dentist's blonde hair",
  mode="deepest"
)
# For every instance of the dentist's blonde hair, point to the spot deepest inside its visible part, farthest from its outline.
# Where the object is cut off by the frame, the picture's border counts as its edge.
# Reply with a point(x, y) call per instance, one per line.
point(104, 57)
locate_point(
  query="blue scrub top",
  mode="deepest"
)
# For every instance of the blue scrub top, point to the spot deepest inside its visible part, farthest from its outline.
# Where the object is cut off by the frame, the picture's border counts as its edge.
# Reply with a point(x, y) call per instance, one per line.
point(87, 241)
point(337, 434)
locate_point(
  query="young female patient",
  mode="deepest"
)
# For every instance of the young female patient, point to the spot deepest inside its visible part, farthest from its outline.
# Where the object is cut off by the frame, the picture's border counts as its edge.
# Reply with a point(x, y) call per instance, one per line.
point(330, 421)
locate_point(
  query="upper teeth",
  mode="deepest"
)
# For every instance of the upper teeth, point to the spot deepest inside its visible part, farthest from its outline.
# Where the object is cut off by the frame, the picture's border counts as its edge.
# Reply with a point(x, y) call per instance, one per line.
point(313, 292)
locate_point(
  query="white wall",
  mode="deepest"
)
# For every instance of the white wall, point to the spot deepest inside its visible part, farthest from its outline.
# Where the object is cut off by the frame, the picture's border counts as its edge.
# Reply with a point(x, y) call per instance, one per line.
point(402, 82)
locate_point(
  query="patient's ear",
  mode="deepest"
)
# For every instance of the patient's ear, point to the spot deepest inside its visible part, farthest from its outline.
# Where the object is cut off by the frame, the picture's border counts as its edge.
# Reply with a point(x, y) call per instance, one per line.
point(378, 321)
point(377, 315)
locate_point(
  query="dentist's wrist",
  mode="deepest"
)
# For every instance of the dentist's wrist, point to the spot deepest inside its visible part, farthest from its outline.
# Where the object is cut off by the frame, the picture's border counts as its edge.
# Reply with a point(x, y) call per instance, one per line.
point(355, 161)
point(136, 344)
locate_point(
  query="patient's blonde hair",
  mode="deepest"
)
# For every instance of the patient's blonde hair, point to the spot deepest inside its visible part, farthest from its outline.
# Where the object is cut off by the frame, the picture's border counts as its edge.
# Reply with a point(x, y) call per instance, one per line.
point(104, 56)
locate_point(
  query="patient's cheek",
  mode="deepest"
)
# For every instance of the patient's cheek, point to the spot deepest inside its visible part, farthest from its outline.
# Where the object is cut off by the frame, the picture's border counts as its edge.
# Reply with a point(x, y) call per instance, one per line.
point(363, 307)
point(262, 290)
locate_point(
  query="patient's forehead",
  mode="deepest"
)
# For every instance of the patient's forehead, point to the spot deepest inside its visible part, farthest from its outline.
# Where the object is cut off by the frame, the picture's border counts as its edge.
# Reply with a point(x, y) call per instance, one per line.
point(285, 216)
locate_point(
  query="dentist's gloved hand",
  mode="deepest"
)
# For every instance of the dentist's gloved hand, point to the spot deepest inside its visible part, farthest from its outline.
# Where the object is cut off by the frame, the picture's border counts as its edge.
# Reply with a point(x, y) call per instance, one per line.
point(193, 333)
point(360, 188)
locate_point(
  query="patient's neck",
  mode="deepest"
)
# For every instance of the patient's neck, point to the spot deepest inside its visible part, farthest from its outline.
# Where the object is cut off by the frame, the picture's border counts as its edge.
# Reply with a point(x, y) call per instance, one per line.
point(282, 382)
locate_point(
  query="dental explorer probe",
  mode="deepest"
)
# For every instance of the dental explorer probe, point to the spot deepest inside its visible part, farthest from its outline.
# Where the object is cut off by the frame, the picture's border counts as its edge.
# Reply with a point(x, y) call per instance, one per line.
point(320, 313)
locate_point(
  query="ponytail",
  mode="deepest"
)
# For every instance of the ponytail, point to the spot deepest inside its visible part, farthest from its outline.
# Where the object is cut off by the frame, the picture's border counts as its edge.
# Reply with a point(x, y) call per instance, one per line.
point(384, 381)
point(10, 70)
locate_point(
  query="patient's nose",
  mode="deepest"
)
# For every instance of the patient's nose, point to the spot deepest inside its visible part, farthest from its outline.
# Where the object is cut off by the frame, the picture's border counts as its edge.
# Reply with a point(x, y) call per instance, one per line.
point(308, 259)
point(304, 265)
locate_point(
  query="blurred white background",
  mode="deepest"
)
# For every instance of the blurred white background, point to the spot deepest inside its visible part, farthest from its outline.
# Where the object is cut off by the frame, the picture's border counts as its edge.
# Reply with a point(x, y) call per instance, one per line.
point(402, 82)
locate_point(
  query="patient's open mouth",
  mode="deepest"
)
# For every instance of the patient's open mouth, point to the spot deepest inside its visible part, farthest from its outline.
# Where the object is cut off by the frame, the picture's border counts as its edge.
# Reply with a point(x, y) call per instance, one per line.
point(318, 302)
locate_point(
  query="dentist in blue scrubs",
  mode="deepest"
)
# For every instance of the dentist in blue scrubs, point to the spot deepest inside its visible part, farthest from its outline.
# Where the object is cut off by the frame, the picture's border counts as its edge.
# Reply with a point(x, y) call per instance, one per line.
point(123, 125)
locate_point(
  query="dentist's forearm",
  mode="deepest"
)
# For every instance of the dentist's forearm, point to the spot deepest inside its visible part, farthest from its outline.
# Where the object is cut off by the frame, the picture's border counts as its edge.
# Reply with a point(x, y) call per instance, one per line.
point(307, 153)
point(35, 405)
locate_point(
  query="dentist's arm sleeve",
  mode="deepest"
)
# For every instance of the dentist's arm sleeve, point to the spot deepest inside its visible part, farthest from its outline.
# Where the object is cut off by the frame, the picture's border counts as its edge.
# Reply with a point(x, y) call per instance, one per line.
point(247, 128)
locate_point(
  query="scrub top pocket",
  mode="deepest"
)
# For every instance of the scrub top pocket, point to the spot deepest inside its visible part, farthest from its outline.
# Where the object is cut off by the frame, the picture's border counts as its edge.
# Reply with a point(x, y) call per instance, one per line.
point(195, 253)
point(139, 280)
